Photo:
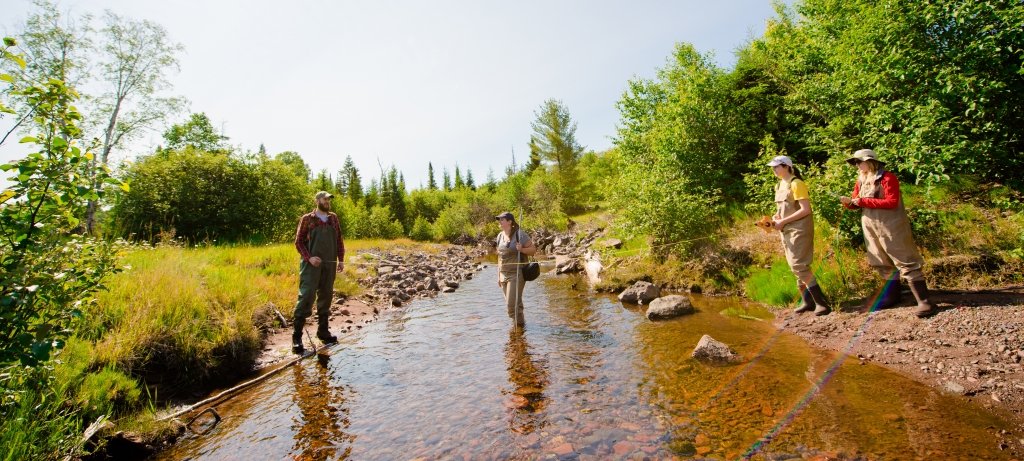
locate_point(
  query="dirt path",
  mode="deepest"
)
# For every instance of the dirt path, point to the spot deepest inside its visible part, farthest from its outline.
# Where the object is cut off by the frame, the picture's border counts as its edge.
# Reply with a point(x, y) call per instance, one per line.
point(974, 347)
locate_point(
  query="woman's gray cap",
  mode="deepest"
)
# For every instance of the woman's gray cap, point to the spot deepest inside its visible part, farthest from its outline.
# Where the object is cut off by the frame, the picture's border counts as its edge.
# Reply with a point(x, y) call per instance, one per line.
point(505, 215)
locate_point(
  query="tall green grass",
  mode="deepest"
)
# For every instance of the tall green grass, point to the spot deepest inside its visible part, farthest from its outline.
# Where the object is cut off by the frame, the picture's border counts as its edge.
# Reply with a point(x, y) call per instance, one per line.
point(775, 286)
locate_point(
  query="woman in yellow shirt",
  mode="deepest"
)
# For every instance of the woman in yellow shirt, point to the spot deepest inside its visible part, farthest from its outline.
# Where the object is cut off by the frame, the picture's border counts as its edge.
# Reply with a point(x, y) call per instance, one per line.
point(796, 227)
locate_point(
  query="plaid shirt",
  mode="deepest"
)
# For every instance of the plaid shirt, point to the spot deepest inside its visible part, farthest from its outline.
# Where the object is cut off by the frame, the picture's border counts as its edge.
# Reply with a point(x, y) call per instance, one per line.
point(309, 221)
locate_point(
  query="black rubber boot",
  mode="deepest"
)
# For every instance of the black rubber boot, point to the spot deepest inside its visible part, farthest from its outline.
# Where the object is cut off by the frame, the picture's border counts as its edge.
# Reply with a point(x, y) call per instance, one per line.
point(297, 336)
point(891, 295)
point(323, 333)
point(920, 290)
point(806, 301)
point(820, 300)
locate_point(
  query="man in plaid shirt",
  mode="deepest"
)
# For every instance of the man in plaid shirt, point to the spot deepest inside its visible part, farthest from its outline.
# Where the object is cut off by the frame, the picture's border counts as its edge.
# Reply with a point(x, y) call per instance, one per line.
point(322, 248)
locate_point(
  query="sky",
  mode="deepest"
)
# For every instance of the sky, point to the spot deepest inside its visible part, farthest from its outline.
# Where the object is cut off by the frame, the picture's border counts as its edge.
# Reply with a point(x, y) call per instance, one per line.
point(405, 83)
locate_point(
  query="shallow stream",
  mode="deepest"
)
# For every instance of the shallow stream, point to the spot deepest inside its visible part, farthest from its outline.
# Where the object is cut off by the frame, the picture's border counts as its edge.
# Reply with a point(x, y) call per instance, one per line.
point(589, 378)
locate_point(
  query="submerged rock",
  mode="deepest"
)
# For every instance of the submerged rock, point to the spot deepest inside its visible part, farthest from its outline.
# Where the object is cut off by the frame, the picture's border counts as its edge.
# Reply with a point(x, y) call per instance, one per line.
point(640, 293)
point(668, 307)
point(710, 350)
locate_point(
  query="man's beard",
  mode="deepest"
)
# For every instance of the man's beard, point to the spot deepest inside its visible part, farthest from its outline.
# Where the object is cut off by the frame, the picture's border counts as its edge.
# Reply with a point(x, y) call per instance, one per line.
point(325, 207)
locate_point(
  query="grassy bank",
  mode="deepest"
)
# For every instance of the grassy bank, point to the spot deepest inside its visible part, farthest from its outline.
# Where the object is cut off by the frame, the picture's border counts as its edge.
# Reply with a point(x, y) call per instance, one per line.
point(176, 322)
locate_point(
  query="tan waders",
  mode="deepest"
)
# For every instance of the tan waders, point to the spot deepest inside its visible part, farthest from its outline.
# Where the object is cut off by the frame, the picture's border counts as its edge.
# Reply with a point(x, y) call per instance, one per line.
point(798, 243)
point(510, 274)
point(316, 283)
point(890, 246)
point(512, 285)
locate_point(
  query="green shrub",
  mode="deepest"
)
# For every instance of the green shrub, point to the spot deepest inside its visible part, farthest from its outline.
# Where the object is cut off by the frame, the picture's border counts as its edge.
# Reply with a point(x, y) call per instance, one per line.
point(420, 230)
point(452, 223)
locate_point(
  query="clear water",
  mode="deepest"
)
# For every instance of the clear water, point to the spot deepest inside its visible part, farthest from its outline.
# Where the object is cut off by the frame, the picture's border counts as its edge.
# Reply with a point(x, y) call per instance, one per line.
point(450, 378)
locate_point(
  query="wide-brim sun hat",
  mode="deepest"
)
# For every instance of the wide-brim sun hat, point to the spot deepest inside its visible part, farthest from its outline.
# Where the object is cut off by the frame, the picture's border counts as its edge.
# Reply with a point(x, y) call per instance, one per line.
point(863, 155)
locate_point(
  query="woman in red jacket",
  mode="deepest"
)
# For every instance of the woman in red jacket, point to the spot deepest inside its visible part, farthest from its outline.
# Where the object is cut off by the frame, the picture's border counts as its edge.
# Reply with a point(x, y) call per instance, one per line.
point(887, 234)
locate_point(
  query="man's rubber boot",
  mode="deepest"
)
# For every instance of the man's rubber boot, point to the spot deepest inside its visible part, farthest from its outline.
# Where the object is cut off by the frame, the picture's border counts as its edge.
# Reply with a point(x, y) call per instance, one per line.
point(806, 301)
point(297, 336)
point(820, 300)
point(323, 333)
point(920, 290)
point(891, 295)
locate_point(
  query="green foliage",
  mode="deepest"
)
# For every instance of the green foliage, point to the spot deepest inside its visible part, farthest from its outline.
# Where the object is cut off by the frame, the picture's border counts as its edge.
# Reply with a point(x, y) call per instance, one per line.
point(382, 225)
point(421, 230)
point(452, 223)
point(47, 272)
point(554, 141)
point(349, 182)
point(295, 163)
point(599, 175)
point(197, 132)
point(935, 87)
point(211, 196)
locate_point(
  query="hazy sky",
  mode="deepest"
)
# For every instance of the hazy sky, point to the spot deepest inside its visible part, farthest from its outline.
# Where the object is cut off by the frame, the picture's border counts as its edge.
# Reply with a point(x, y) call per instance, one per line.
point(404, 82)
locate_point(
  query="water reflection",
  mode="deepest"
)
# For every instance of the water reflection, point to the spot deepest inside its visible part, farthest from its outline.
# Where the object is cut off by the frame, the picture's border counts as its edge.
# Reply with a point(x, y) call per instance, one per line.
point(528, 377)
point(320, 428)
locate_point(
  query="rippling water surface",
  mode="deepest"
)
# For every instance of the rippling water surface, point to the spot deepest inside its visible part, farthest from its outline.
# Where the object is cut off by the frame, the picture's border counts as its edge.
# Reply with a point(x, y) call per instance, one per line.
point(449, 378)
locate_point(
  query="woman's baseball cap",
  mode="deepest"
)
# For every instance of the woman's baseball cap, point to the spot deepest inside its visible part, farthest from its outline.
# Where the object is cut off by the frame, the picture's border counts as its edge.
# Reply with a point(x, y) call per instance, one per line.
point(780, 160)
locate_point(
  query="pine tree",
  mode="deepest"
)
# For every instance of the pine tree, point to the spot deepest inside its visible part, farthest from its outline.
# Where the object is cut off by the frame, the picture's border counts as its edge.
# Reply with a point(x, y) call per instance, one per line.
point(554, 139)
point(446, 181)
point(349, 183)
point(469, 179)
point(459, 184)
point(431, 184)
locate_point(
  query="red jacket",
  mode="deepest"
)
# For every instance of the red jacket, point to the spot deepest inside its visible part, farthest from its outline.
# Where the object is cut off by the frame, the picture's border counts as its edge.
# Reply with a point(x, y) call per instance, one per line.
point(890, 194)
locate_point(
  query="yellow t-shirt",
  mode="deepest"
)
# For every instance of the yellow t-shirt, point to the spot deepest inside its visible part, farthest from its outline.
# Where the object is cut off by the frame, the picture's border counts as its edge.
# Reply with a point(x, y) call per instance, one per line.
point(799, 189)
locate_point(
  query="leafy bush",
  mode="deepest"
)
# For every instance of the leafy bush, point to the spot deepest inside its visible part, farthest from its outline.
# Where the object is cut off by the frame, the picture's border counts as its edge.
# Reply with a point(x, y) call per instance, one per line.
point(452, 223)
point(421, 230)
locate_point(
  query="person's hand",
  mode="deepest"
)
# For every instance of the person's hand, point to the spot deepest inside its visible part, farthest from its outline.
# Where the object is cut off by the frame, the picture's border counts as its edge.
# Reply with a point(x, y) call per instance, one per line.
point(845, 200)
point(777, 224)
point(519, 246)
point(341, 267)
point(315, 261)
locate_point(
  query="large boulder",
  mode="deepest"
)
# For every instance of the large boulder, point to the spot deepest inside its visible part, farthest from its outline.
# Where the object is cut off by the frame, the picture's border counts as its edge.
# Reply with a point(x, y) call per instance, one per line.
point(640, 293)
point(668, 307)
point(710, 350)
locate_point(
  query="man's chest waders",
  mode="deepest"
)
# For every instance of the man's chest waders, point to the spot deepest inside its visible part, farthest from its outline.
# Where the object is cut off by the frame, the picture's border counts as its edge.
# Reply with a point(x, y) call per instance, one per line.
point(317, 282)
